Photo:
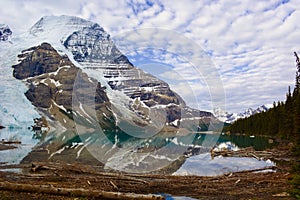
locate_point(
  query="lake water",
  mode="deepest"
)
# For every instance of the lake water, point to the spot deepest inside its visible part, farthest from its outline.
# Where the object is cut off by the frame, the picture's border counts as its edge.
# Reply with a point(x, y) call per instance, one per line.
point(199, 162)
point(15, 156)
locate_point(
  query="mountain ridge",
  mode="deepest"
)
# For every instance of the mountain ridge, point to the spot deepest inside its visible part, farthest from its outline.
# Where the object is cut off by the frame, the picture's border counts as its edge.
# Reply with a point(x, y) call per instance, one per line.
point(228, 117)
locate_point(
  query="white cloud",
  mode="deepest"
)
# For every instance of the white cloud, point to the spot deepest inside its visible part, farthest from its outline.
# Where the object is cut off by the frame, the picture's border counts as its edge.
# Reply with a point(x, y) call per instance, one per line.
point(251, 41)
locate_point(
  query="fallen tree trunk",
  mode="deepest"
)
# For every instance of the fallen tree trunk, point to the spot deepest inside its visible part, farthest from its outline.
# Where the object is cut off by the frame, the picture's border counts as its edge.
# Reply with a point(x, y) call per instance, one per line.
point(73, 192)
point(246, 152)
point(258, 170)
point(6, 147)
point(10, 142)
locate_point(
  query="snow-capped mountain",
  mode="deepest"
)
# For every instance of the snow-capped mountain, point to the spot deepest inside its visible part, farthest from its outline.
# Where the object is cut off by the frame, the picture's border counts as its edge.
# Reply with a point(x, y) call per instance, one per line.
point(134, 94)
point(232, 117)
point(69, 71)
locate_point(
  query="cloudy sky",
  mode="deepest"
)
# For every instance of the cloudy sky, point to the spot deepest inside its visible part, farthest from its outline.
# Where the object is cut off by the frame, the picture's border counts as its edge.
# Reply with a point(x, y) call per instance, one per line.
point(251, 42)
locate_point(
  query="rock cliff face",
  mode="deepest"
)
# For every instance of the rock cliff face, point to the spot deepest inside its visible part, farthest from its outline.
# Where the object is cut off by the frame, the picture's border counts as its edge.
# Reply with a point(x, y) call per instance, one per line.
point(50, 78)
point(38, 60)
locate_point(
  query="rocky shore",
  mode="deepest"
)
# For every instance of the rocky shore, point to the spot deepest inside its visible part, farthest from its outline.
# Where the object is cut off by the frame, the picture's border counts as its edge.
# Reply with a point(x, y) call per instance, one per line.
point(90, 182)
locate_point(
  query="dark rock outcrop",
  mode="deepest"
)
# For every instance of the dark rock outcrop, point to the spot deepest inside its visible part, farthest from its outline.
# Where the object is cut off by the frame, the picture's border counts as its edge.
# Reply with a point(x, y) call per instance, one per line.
point(40, 95)
point(39, 60)
point(5, 33)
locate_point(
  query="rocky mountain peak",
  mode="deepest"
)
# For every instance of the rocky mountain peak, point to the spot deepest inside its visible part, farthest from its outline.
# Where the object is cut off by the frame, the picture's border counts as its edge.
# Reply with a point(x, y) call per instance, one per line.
point(232, 117)
point(62, 22)
point(92, 44)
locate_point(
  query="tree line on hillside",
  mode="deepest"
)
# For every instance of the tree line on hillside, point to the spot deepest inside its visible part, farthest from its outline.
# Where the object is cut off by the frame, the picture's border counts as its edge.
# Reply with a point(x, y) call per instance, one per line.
point(282, 120)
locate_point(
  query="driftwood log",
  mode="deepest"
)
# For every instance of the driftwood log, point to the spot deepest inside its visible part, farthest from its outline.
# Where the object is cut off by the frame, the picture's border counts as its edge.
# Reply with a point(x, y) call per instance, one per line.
point(246, 152)
point(74, 192)
point(6, 147)
point(10, 142)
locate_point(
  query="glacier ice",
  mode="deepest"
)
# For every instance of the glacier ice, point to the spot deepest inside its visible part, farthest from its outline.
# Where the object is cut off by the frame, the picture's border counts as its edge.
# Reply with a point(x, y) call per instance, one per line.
point(15, 109)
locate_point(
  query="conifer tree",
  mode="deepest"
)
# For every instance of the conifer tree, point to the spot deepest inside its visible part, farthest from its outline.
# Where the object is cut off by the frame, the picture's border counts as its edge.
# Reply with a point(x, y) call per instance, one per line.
point(287, 113)
point(296, 100)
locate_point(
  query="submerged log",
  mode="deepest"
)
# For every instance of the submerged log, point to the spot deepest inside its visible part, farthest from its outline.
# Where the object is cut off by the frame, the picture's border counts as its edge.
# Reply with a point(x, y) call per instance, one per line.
point(35, 168)
point(6, 147)
point(74, 192)
point(10, 142)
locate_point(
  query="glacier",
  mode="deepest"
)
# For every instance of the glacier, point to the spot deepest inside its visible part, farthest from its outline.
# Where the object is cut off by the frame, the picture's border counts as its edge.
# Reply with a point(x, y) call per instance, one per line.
point(17, 113)
point(15, 109)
